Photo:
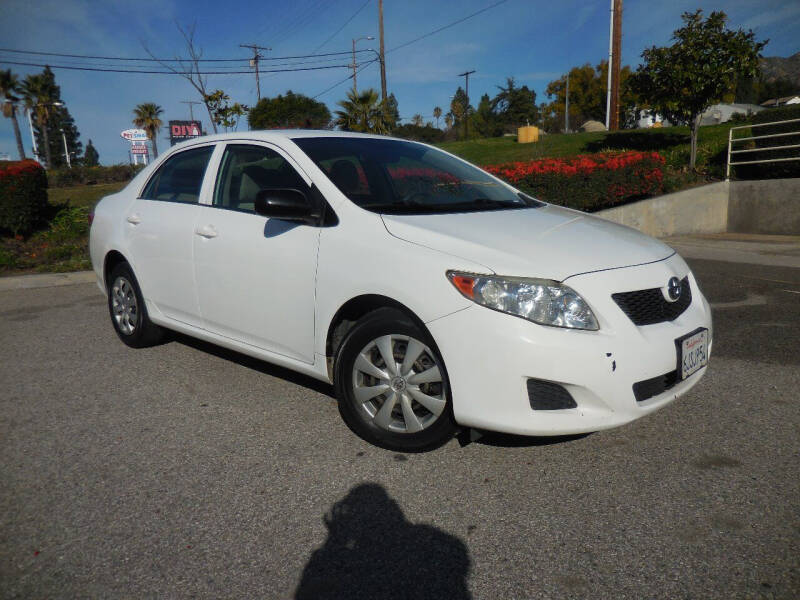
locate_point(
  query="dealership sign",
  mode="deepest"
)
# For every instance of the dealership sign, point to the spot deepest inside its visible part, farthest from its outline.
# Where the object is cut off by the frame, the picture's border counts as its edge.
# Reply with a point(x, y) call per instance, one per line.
point(181, 131)
point(136, 149)
point(135, 135)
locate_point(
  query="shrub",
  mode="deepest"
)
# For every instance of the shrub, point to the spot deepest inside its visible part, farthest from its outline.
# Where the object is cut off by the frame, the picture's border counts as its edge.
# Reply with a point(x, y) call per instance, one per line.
point(771, 170)
point(588, 182)
point(23, 196)
point(427, 134)
point(81, 175)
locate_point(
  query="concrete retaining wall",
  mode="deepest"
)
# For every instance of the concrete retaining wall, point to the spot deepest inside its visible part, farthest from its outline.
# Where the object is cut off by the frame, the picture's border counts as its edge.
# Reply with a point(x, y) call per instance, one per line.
point(765, 206)
point(702, 209)
point(769, 206)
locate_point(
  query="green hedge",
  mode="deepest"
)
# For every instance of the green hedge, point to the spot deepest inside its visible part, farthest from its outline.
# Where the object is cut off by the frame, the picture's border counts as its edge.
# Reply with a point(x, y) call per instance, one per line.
point(771, 170)
point(80, 175)
point(23, 196)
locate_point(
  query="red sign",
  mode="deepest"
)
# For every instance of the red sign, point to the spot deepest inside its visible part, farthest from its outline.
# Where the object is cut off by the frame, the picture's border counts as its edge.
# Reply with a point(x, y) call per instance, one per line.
point(139, 149)
point(180, 131)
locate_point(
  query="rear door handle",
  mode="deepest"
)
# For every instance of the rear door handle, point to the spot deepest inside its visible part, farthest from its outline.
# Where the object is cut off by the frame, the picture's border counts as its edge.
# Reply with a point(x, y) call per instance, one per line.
point(206, 231)
point(134, 219)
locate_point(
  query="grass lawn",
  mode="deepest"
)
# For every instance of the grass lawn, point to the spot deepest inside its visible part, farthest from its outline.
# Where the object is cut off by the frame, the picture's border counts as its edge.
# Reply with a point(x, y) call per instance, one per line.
point(62, 244)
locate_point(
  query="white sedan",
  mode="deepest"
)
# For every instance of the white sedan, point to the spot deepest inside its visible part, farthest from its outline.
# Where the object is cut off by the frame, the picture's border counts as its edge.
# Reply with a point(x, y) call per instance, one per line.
point(430, 293)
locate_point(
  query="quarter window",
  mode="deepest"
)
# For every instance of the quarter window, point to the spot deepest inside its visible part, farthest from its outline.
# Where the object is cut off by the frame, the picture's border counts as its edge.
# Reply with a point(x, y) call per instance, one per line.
point(180, 178)
point(246, 170)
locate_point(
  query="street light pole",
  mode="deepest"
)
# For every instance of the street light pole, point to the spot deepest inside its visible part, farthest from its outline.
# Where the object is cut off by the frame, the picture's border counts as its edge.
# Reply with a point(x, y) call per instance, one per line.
point(66, 152)
point(466, 108)
point(368, 37)
point(28, 111)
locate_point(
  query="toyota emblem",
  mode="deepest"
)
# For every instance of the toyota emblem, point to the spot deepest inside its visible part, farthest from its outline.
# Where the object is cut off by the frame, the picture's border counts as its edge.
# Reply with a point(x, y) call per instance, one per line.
point(674, 289)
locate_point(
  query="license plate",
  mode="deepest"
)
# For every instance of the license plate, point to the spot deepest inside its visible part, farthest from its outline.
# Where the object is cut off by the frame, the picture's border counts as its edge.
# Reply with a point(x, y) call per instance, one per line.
point(692, 352)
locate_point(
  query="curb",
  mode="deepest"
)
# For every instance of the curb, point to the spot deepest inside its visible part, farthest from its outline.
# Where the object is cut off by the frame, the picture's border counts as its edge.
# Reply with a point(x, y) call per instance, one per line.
point(40, 280)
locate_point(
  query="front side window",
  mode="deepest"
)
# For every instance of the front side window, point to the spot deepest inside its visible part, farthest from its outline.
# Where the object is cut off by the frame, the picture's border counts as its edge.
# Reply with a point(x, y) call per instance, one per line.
point(180, 178)
point(245, 170)
point(398, 177)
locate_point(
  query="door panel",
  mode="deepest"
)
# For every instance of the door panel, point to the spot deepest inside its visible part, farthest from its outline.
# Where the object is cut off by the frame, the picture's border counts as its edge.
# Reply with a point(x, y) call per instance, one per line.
point(256, 276)
point(160, 234)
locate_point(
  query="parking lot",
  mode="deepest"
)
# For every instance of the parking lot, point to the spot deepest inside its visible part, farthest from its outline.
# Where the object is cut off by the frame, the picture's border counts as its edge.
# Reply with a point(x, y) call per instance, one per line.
point(187, 470)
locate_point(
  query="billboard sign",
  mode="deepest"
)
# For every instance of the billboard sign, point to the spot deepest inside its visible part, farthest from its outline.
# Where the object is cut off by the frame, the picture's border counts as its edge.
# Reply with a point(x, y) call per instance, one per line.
point(181, 131)
point(135, 135)
point(139, 149)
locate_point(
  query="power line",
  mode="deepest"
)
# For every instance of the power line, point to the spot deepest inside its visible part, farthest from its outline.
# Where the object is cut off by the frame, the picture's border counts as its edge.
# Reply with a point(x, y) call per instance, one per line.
point(346, 23)
point(337, 84)
point(74, 68)
point(453, 24)
point(169, 60)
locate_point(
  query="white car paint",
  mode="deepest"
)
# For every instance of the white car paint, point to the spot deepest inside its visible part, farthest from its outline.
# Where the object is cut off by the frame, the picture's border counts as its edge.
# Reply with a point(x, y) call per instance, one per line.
point(275, 296)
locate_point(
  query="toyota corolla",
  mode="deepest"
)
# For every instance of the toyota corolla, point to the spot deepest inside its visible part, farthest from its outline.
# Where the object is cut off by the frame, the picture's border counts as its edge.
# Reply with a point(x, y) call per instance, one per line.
point(431, 294)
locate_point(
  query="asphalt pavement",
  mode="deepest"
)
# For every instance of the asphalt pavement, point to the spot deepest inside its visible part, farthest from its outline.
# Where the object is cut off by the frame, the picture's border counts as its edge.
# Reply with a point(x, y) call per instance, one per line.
point(187, 470)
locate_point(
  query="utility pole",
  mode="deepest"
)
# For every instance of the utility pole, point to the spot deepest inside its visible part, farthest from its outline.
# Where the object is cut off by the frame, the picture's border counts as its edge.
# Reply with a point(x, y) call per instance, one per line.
point(254, 62)
point(382, 53)
point(354, 65)
point(566, 107)
point(466, 75)
point(191, 111)
point(616, 40)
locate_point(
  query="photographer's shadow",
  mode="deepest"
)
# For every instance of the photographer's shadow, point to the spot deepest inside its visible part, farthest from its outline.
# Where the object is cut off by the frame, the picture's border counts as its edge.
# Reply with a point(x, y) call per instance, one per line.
point(373, 552)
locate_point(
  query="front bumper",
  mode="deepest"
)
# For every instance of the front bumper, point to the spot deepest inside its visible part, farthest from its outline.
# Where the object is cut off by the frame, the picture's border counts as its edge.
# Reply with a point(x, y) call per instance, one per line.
point(490, 356)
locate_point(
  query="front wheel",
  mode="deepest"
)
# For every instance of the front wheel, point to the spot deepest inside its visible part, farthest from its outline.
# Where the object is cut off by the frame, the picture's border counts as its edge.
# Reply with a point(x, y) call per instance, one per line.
point(392, 384)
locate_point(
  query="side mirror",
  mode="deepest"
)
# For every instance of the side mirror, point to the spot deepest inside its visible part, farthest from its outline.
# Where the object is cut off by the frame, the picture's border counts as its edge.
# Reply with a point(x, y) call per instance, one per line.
point(286, 204)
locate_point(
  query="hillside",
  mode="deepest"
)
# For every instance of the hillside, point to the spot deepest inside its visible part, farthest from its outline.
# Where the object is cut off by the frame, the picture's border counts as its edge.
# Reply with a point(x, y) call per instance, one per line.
point(778, 67)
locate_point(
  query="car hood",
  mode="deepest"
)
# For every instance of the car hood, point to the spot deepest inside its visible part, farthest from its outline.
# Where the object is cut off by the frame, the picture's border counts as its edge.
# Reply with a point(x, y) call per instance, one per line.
point(549, 242)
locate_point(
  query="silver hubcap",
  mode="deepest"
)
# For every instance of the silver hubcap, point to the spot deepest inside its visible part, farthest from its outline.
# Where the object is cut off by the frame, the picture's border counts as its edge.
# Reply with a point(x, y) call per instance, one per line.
point(398, 383)
point(123, 305)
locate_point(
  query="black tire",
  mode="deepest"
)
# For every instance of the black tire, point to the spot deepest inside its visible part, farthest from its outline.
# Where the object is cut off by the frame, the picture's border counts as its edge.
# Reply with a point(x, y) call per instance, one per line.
point(135, 329)
point(361, 417)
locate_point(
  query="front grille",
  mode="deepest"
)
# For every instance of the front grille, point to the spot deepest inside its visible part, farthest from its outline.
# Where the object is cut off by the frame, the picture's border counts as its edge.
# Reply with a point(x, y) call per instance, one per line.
point(646, 307)
point(644, 390)
point(545, 395)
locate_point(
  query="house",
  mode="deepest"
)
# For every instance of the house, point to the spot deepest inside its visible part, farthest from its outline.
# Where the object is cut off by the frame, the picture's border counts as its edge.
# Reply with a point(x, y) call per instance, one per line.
point(721, 113)
point(786, 100)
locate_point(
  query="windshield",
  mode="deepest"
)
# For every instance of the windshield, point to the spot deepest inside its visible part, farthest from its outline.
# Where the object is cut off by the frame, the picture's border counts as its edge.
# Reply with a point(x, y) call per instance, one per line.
point(397, 177)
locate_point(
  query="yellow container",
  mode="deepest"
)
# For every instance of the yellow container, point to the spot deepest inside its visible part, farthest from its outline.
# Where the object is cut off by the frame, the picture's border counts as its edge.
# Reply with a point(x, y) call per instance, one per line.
point(526, 135)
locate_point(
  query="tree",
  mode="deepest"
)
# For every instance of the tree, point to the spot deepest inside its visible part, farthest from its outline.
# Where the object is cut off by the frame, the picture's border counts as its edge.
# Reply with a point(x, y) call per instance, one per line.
point(9, 90)
point(587, 96)
point(428, 134)
point(53, 124)
point(515, 106)
point(90, 157)
point(363, 112)
point(189, 68)
point(485, 122)
point(460, 109)
point(681, 81)
point(39, 99)
point(290, 111)
point(448, 120)
point(146, 116)
point(417, 120)
point(437, 113)
point(223, 112)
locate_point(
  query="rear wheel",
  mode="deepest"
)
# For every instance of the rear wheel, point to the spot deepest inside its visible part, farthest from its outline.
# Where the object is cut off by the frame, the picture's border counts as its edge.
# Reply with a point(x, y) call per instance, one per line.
point(127, 309)
point(392, 384)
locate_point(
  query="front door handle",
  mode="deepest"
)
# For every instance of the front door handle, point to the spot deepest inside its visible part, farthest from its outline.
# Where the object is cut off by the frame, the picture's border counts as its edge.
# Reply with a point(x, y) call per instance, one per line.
point(134, 219)
point(206, 231)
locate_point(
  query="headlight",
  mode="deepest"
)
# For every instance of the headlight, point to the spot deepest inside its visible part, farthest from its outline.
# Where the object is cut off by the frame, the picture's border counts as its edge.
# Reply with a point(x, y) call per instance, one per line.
point(542, 301)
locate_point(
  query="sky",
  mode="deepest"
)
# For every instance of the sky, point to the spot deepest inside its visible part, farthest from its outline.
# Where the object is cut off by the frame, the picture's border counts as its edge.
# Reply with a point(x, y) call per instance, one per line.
point(535, 41)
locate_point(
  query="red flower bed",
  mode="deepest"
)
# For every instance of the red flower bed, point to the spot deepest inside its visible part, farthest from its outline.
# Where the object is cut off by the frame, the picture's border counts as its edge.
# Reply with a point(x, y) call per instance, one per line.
point(590, 181)
point(23, 195)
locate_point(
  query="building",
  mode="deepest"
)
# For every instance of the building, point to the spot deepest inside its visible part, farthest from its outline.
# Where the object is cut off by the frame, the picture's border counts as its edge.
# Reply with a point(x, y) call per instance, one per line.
point(721, 113)
point(785, 101)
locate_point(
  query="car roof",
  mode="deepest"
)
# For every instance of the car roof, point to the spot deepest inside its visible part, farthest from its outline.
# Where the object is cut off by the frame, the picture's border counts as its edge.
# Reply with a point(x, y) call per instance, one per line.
point(275, 134)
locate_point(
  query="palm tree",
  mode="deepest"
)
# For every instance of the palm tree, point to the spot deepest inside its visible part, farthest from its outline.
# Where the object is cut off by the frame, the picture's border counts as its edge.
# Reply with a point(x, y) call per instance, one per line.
point(39, 99)
point(9, 88)
point(146, 116)
point(362, 112)
point(437, 112)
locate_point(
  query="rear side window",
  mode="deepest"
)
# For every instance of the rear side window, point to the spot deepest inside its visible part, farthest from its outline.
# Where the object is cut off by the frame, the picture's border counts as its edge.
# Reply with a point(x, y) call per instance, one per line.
point(246, 170)
point(180, 178)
